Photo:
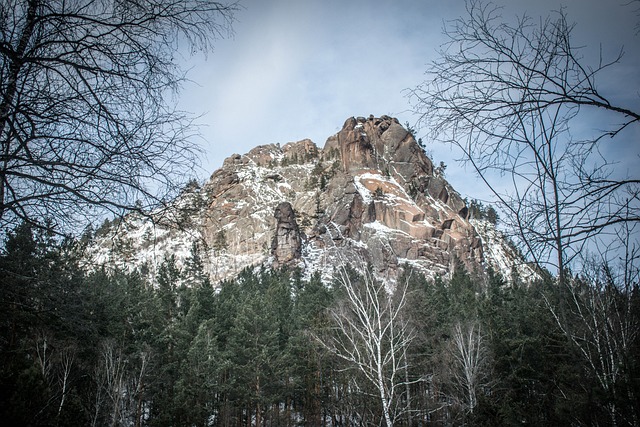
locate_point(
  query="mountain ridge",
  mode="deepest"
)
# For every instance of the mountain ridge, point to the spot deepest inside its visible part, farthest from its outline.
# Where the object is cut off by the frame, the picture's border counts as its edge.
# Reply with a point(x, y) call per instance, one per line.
point(371, 196)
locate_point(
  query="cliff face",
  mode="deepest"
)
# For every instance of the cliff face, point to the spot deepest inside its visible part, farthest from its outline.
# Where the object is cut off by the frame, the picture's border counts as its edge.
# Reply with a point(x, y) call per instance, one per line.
point(287, 240)
point(370, 195)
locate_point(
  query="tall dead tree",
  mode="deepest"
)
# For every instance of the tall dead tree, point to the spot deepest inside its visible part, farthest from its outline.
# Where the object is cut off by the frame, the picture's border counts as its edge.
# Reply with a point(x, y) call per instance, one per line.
point(86, 118)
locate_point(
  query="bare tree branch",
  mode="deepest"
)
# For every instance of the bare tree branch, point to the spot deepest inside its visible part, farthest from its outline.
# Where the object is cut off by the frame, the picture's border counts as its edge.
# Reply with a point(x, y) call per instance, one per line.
point(507, 96)
point(85, 119)
point(372, 337)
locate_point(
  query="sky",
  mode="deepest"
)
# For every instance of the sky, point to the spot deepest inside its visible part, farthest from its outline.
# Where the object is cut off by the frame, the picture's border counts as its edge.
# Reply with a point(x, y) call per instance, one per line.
point(297, 69)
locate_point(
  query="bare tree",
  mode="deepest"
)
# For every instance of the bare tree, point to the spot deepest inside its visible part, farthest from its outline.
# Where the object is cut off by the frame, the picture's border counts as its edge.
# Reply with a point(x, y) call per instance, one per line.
point(86, 118)
point(468, 362)
point(372, 337)
point(111, 385)
point(137, 385)
point(603, 323)
point(66, 360)
point(506, 95)
point(44, 354)
point(55, 362)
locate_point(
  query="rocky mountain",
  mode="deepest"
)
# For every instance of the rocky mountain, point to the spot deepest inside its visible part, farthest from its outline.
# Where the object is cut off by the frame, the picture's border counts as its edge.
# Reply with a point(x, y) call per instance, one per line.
point(369, 197)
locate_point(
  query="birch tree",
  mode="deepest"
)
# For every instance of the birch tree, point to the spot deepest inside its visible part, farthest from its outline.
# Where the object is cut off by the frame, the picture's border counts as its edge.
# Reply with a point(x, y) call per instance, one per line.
point(371, 335)
point(110, 376)
point(468, 362)
point(66, 362)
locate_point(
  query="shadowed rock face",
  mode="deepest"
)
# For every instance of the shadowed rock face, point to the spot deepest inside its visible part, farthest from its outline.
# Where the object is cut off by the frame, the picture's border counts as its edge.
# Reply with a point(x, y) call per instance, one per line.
point(370, 195)
point(379, 143)
point(286, 245)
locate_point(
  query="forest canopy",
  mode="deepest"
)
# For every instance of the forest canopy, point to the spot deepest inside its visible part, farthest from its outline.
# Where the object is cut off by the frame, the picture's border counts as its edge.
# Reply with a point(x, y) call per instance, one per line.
point(123, 348)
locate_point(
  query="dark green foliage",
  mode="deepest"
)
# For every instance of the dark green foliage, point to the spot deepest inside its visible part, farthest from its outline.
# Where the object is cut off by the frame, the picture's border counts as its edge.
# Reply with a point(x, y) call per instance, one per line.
point(410, 129)
point(534, 376)
point(45, 312)
point(413, 190)
point(318, 178)
point(323, 182)
point(174, 351)
point(533, 365)
point(478, 210)
point(220, 244)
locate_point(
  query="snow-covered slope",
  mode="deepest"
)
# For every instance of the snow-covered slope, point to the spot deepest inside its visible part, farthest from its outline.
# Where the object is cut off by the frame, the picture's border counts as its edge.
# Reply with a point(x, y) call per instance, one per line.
point(369, 197)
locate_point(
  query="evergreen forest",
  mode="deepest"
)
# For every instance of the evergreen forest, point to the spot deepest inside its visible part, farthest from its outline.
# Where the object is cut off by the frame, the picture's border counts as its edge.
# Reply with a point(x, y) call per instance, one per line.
point(82, 346)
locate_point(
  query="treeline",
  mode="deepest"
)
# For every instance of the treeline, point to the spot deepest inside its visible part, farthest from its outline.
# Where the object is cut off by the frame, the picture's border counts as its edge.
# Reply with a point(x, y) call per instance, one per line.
point(115, 348)
point(480, 211)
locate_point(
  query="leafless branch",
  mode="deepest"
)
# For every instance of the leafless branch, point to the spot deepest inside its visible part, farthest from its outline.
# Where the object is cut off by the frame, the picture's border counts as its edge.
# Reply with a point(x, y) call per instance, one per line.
point(507, 96)
point(86, 122)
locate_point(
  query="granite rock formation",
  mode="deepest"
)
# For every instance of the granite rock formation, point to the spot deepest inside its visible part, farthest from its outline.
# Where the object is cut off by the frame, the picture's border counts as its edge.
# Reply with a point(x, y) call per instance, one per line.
point(286, 245)
point(370, 196)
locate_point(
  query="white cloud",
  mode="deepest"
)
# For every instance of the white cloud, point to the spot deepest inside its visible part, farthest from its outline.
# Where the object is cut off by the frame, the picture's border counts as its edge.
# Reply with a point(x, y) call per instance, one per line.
point(298, 69)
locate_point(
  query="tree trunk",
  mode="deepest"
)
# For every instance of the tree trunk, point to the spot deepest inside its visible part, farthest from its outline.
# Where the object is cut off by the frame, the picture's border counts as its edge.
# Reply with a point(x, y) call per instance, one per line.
point(258, 420)
point(9, 95)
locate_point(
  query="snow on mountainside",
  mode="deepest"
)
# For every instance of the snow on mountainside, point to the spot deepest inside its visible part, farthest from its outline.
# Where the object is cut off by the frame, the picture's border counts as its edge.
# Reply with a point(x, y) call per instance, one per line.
point(501, 256)
point(370, 196)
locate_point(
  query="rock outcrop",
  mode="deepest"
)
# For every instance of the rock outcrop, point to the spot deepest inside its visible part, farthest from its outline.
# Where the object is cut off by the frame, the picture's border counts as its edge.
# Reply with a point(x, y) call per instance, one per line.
point(370, 196)
point(286, 246)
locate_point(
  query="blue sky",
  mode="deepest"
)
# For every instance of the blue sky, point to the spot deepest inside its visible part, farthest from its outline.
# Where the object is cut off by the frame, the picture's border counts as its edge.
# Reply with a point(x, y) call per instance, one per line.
point(298, 69)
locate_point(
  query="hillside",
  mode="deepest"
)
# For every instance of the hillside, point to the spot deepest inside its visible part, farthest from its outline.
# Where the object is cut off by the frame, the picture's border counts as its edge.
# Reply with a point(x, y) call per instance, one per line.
point(370, 196)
